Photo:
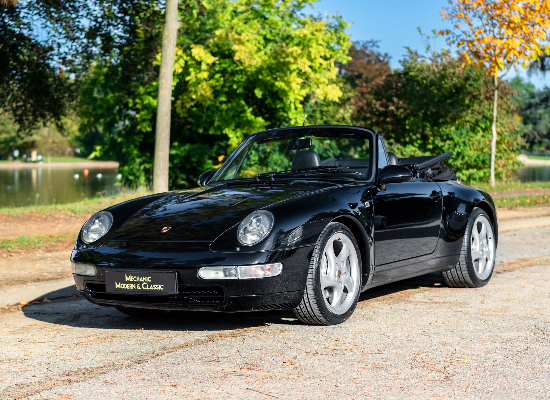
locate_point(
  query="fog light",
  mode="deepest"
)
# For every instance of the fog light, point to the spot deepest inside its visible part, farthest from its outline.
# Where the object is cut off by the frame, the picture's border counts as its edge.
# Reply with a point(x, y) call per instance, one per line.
point(83, 269)
point(241, 272)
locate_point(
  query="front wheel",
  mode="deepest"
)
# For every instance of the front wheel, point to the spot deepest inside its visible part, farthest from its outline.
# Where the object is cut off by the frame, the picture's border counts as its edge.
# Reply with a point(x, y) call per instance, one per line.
point(334, 278)
point(477, 258)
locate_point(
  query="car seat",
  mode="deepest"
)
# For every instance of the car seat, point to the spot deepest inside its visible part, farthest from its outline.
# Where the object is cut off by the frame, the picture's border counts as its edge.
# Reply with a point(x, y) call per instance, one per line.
point(305, 159)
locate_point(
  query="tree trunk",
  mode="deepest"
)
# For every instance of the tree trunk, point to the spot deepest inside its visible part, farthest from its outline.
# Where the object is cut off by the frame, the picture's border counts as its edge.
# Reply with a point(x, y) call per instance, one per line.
point(494, 129)
point(162, 140)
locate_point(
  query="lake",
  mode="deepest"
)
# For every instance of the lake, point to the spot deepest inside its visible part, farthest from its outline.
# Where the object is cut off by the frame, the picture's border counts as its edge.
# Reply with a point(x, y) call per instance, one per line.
point(39, 186)
point(534, 174)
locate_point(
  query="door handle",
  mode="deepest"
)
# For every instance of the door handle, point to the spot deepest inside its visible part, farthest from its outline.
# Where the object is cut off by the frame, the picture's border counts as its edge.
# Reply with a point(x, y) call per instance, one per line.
point(435, 195)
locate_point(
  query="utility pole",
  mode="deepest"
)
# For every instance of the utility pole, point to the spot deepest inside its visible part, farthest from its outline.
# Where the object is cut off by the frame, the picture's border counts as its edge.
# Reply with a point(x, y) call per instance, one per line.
point(164, 104)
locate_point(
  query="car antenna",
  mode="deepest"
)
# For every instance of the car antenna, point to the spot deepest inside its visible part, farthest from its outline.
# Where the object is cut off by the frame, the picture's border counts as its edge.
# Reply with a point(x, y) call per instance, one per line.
point(304, 124)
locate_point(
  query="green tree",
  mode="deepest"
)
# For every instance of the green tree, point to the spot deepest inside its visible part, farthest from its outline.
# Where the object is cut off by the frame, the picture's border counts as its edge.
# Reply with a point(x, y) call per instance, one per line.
point(366, 67)
point(241, 66)
point(534, 110)
point(434, 105)
point(33, 87)
point(498, 35)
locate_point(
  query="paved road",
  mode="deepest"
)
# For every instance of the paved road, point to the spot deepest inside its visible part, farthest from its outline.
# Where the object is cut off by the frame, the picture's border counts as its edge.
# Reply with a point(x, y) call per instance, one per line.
point(416, 339)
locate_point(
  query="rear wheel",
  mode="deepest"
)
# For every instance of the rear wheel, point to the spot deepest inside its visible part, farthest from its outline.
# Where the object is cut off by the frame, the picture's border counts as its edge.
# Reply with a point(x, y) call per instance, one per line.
point(477, 259)
point(334, 278)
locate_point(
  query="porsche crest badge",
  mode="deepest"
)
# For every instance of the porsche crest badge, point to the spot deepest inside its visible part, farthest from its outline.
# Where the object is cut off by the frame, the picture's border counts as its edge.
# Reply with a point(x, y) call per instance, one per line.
point(165, 229)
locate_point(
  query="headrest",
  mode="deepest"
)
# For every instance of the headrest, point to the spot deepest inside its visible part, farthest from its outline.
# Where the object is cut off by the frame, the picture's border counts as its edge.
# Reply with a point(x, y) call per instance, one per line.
point(305, 159)
point(392, 158)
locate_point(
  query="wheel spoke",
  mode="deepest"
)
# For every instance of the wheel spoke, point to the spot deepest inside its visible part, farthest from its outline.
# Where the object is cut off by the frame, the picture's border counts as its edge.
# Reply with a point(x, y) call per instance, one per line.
point(476, 254)
point(331, 258)
point(344, 253)
point(483, 234)
point(336, 295)
point(327, 281)
point(348, 284)
point(482, 263)
point(475, 235)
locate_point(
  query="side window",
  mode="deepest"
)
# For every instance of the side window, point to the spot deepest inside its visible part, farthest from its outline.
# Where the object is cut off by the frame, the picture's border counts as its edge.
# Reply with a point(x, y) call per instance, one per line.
point(382, 155)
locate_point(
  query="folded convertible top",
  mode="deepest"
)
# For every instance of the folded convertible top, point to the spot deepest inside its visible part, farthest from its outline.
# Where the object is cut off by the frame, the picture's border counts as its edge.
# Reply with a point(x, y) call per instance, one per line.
point(430, 167)
point(421, 163)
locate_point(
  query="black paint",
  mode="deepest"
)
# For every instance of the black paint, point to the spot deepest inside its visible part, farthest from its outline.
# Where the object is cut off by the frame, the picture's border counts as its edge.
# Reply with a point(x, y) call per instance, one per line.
point(403, 229)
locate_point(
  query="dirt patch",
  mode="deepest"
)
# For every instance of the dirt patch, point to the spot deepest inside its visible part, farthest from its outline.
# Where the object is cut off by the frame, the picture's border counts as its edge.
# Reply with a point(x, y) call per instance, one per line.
point(524, 192)
point(34, 266)
point(40, 224)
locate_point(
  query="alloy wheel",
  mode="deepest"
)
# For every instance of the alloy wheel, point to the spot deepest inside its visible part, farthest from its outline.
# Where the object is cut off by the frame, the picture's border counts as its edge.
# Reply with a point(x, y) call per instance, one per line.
point(482, 247)
point(340, 274)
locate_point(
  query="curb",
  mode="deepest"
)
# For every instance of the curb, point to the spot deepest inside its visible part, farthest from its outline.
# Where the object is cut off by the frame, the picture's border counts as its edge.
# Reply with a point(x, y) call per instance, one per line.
point(11, 295)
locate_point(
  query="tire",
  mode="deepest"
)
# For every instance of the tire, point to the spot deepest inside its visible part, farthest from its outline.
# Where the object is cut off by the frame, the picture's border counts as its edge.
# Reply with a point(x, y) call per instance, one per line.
point(477, 258)
point(140, 312)
point(334, 278)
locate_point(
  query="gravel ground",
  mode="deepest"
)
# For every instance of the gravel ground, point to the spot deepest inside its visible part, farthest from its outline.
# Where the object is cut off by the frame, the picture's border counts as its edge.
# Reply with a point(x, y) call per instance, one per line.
point(415, 339)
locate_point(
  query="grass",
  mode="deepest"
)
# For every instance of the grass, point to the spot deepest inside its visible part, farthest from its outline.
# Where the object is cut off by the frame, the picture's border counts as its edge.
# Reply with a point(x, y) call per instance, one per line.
point(37, 241)
point(508, 186)
point(539, 157)
point(85, 207)
point(523, 201)
point(65, 159)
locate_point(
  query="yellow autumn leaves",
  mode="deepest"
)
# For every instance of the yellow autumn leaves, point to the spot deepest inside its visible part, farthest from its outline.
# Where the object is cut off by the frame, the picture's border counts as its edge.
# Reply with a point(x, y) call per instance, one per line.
point(500, 34)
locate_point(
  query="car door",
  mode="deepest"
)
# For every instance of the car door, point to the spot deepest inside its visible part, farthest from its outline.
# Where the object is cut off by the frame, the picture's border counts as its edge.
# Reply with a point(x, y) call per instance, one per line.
point(407, 223)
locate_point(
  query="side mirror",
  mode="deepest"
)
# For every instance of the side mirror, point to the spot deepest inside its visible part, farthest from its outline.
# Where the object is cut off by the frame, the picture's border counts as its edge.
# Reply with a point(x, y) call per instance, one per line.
point(204, 178)
point(394, 174)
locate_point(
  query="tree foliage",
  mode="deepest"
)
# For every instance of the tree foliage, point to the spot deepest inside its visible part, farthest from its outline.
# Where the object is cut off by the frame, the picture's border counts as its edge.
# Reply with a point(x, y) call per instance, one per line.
point(241, 66)
point(434, 105)
point(33, 89)
point(498, 35)
point(534, 110)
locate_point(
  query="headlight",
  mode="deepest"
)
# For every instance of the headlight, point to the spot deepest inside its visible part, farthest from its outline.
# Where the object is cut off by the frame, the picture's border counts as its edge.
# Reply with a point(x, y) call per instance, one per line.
point(97, 226)
point(255, 228)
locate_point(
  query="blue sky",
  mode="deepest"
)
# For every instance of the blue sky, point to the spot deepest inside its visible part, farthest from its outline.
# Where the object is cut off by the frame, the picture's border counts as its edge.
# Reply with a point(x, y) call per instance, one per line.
point(394, 23)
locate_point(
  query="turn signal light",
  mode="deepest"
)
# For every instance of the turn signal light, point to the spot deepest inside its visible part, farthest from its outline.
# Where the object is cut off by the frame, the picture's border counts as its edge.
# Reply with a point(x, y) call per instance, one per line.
point(242, 271)
point(83, 269)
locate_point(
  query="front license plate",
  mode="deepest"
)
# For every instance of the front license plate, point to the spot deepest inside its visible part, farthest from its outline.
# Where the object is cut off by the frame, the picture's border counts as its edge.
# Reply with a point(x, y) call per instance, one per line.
point(141, 282)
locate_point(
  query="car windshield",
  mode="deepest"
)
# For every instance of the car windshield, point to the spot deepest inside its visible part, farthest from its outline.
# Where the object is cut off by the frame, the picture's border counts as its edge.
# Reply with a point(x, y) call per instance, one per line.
point(345, 153)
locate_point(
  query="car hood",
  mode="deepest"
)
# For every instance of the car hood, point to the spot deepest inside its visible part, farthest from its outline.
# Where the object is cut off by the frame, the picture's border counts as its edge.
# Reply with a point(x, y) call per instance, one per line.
point(203, 215)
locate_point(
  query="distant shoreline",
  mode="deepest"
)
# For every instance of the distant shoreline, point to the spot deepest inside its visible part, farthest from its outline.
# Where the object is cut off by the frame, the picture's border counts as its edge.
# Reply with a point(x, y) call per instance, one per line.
point(533, 163)
point(83, 164)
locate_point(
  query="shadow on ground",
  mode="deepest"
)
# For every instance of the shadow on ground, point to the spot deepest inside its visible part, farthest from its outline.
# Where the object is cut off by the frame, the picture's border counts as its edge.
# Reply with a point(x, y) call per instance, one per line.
point(78, 312)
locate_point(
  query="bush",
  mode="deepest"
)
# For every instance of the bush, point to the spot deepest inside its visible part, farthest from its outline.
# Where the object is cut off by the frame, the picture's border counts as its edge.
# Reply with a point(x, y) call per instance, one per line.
point(440, 104)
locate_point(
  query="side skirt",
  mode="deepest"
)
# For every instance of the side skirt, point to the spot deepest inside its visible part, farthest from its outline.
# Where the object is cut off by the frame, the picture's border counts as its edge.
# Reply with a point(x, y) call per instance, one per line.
point(439, 268)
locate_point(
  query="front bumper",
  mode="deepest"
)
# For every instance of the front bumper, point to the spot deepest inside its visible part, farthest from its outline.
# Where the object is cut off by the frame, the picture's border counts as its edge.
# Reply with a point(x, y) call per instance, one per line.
point(284, 291)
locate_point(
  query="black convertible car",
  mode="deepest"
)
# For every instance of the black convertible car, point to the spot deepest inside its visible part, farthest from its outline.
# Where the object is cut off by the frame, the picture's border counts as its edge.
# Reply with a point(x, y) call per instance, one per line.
point(301, 218)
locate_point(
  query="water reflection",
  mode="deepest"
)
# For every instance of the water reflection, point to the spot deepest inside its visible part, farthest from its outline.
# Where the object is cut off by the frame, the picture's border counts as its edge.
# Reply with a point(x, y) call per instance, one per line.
point(40, 186)
point(532, 174)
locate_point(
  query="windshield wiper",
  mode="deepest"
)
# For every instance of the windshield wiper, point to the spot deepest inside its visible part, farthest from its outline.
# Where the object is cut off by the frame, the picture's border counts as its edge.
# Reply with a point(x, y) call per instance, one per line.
point(270, 175)
point(308, 171)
